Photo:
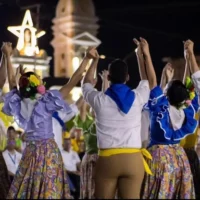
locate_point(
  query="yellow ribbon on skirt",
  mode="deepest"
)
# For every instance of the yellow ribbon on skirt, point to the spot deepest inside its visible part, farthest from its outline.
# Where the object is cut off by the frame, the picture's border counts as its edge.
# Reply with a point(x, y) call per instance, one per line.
point(110, 152)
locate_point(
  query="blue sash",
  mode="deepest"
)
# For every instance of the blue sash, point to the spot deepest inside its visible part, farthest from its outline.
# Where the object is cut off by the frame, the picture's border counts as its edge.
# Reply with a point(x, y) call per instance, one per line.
point(61, 122)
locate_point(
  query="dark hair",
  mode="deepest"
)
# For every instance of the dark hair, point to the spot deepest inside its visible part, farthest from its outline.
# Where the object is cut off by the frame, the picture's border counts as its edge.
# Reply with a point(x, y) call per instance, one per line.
point(11, 128)
point(177, 93)
point(24, 84)
point(118, 71)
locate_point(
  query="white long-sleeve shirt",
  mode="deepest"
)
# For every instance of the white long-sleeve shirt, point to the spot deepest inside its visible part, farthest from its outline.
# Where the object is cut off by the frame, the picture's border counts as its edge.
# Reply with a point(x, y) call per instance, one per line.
point(58, 129)
point(70, 160)
point(115, 129)
point(12, 160)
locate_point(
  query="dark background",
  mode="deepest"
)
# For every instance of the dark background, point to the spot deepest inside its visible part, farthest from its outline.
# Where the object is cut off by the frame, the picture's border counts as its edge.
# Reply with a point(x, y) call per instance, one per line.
point(165, 24)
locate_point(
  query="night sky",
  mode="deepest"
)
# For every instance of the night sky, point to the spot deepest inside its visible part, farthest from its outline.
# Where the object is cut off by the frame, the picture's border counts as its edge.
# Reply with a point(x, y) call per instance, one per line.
point(165, 24)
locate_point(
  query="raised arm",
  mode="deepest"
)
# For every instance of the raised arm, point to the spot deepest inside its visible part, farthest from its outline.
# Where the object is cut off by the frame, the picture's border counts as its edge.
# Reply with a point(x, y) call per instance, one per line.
point(167, 75)
point(189, 48)
point(163, 81)
point(187, 65)
point(140, 60)
point(105, 81)
point(7, 51)
point(83, 112)
point(76, 77)
point(2, 71)
point(194, 69)
point(151, 75)
point(90, 75)
point(80, 102)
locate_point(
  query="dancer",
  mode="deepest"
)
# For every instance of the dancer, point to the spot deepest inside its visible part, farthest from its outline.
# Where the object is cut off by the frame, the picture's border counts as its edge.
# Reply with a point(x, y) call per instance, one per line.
point(89, 160)
point(120, 163)
point(61, 118)
point(41, 173)
point(4, 177)
point(190, 141)
point(72, 164)
point(86, 121)
point(167, 75)
point(12, 158)
point(172, 119)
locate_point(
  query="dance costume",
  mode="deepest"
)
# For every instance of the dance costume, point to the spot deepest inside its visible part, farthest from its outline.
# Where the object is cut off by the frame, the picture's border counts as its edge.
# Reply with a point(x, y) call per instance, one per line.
point(59, 126)
point(41, 173)
point(59, 120)
point(90, 158)
point(190, 142)
point(120, 163)
point(172, 177)
point(4, 177)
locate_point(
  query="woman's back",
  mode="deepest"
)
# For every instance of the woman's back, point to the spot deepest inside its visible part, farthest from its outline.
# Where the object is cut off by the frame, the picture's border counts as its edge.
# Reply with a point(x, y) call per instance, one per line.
point(162, 129)
point(35, 116)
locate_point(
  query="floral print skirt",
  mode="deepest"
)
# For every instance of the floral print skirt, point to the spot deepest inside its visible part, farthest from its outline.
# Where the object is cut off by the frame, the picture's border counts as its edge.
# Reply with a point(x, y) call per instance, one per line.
point(41, 173)
point(172, 177)
point(87, 176)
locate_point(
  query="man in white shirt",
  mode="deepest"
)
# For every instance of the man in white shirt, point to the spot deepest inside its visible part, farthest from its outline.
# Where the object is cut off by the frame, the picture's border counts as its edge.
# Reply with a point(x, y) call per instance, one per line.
point(70, 158)
point(12, 158)
point(72, 165)
point(118, 123)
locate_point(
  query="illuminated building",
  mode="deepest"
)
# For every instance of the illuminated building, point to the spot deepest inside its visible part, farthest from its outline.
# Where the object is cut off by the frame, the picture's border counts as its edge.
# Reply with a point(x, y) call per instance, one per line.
point(74, 29)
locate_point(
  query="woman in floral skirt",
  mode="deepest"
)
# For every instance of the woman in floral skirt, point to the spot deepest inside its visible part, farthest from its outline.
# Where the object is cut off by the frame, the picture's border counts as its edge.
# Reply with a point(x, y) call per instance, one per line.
point(172, 118)
point(41, 173)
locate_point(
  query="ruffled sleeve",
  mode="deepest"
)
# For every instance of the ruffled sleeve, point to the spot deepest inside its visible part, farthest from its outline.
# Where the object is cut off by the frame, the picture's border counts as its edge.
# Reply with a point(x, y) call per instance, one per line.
point(12, 106)
point(188, 127)
point(53, 101)
point(157, 100)
point(49, 103)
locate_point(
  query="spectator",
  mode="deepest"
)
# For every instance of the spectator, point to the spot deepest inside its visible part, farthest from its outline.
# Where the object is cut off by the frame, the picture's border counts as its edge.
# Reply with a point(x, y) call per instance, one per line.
point(72, 164)
point(12, 158)
point(74, 140)
point(11, 132)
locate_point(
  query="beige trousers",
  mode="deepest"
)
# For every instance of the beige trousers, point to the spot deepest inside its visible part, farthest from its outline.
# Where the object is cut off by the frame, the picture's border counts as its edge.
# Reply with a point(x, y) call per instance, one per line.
point(122, 172)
